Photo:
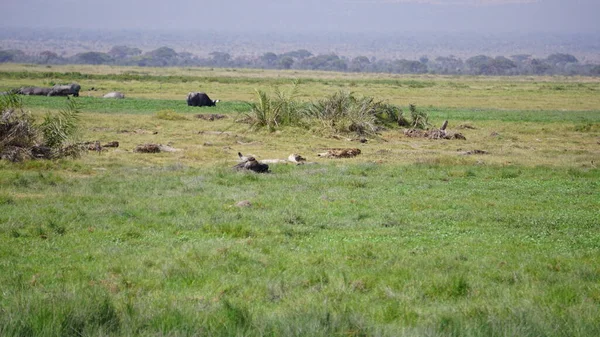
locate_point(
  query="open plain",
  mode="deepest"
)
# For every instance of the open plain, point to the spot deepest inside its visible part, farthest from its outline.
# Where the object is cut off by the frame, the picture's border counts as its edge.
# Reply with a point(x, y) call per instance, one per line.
point(495, 235)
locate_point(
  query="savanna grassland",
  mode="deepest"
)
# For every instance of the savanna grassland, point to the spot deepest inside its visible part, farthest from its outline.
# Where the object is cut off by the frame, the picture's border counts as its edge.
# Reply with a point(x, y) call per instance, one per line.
point(413, 237)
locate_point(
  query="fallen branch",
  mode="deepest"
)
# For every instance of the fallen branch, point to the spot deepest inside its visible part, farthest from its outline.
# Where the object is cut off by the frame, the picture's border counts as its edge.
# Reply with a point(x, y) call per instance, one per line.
point(154, 148)
point(210, 117)
point(475, 152)
point(340, 153)
point(440, 133)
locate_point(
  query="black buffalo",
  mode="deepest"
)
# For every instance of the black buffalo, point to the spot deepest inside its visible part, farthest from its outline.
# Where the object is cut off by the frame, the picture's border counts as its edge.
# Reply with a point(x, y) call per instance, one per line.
point(200, 99)
point(65, 90)
point(38, 91)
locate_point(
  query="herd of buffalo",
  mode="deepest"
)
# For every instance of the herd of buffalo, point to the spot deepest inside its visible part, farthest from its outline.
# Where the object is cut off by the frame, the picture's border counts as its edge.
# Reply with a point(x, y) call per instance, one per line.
point(193, 98)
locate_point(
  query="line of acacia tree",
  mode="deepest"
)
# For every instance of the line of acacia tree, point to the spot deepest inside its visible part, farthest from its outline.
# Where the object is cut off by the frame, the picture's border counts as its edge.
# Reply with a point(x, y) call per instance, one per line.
point(522, 64)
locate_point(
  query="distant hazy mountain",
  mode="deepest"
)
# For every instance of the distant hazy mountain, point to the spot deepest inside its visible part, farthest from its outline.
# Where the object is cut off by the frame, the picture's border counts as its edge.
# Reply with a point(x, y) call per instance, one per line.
point(410, 45)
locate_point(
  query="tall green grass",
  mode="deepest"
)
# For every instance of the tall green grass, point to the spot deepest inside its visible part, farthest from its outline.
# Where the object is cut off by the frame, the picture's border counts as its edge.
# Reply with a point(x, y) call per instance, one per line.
point(424, 249)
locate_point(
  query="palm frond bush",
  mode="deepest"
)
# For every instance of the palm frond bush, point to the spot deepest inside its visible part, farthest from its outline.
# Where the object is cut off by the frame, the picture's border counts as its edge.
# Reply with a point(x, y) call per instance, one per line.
point(58, 128)
point(273, 111)
point(362, 116)
point(330, 109)
point(17, 131)
point(420, 119)
point(342, 112)
point(390, 114)
point(21, 139)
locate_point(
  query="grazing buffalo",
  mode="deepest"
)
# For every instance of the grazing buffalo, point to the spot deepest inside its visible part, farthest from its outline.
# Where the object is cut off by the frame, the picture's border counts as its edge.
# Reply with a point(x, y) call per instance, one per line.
point(38, 91)
point(200, 99)
point(114, 94)
point(65, 90)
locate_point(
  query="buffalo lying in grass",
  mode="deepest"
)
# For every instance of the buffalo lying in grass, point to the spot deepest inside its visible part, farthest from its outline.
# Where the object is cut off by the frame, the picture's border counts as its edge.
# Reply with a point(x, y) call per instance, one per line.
point(37, 91)
point(65, 90)
point(57, 90)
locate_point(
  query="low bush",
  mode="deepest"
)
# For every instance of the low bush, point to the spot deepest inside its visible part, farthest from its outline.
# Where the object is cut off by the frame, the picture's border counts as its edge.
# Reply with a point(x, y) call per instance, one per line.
point(276, 110)
point(420, 119)
point(21, 139)
point(345, 113)
point(339, 113)
point(59, 128)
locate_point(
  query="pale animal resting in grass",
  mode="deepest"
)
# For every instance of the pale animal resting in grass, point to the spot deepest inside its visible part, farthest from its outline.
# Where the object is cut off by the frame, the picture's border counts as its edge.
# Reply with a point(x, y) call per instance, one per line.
point(114, 94)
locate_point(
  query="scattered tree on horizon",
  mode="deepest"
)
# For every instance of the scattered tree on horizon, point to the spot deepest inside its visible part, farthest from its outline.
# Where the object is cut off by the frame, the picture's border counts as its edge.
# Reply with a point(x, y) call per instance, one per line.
point(519, 64)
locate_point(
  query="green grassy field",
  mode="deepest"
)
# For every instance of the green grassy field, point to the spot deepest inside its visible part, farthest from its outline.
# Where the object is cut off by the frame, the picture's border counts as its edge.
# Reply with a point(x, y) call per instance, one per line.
point(411, 238)
point(508, 93)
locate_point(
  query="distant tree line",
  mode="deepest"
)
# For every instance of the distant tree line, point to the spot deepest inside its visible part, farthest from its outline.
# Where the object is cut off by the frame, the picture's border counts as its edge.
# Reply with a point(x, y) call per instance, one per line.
point(522, 64)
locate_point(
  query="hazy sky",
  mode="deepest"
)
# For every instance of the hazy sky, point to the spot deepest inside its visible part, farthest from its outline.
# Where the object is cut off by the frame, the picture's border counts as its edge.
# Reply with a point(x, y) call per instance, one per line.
point(308, 15)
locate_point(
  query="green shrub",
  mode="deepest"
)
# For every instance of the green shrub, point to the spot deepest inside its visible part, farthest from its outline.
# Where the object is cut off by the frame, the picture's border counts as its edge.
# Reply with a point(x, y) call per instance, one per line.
point(274, 111)
point(342, 112)
point(17, 130)
point(59, 128)
point(22, 139)
point(16, 125)
point(420, 119)
point(390, 114)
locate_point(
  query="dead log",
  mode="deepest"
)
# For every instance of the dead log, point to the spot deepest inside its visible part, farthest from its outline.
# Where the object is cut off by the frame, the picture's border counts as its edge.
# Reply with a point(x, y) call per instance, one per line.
point(443, 128)
point(440, 133)
point(340, 153)
point(111, 144)
point(414, 133)
point(215, 133)
point(251, 164)
point(147, 148)
point(210, 117)
point(471, 152)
